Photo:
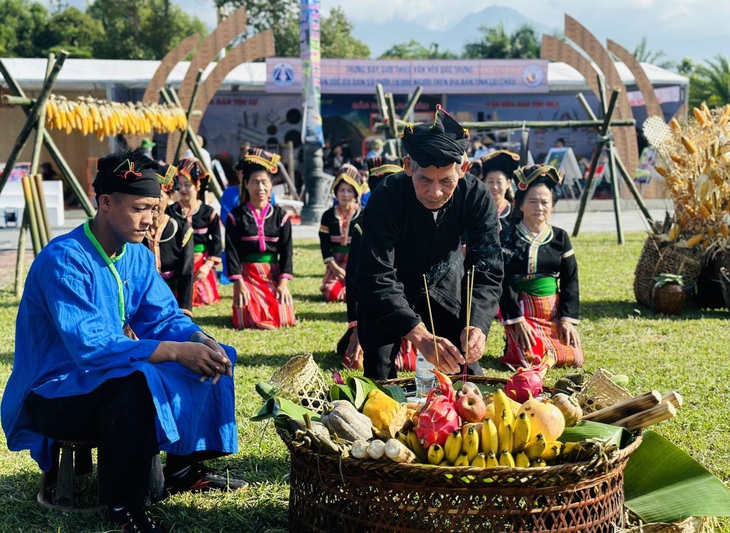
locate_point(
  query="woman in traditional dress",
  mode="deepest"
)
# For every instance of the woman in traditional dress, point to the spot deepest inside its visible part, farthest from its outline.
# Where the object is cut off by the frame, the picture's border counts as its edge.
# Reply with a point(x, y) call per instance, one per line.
point(335, 231)
point(192, 181)
point(540, 297)
point(259, 249)
point(170, 239)
point(497, 170)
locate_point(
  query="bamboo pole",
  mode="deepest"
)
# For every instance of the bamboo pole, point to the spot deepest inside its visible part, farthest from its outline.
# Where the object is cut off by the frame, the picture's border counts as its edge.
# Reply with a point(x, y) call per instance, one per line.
point(40, 126)
point(392, 117)
point(627, 407)
point(622, 169)
point(63, 167)
point(20, 259)
point(615, 191)
point(411, 105)
point(30, 211)
point(44, 209)
point(189, 112)
point(32, 118)
point(603, 137)
point(42, 235)
point(517, 124)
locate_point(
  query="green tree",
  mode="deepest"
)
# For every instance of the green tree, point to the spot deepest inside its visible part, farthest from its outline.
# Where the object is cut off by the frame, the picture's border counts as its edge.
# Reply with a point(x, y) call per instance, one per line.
point(336, 37)
point(20, 24)
point(141, 29)
point(415, 50)
point(282, 16)
point(71, 30)
point(496, 43)
point(710, 83)
point(658, 58)
point(686, 67)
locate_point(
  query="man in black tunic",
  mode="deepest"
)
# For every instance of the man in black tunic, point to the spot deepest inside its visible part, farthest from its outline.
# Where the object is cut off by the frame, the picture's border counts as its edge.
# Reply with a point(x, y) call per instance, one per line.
point(413, 227)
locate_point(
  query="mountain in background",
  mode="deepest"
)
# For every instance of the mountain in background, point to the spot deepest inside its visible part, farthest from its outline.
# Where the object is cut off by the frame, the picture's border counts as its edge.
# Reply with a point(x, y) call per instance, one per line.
point(382, 36)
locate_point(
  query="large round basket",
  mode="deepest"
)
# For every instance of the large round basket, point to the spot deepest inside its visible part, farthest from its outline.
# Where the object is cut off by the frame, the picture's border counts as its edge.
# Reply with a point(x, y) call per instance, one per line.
point(664, 258)
point(351, 495)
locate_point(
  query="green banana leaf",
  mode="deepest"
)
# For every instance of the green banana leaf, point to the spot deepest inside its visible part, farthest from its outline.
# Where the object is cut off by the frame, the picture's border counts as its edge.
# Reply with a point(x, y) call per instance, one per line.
point(360, 388)
point(587, 429)
point(664, 484)
point(276, 406)
point(395, 392)
point(341, 392)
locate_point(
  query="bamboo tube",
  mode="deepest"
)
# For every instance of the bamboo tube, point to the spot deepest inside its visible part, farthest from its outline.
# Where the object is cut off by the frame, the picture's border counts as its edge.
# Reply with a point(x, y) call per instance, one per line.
point(40, 220)
point(626, 408)
point(43, 208)
point(674, 398)
point(40, 126)
point(30, 211)
point(191, 107)
point(20, 259)
point(649, 417)
point(433, 327)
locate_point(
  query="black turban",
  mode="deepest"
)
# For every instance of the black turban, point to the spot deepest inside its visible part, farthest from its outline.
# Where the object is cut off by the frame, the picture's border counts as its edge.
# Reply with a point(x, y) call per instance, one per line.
point(439, 144)
point(127, 174)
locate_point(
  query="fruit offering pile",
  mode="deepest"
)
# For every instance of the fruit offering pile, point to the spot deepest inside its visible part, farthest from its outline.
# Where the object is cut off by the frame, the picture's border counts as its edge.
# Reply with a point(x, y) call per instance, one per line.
point(466, 427)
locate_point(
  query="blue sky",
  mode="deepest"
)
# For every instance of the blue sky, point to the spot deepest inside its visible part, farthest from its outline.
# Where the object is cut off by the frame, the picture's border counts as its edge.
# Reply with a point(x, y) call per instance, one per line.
point(694, 28)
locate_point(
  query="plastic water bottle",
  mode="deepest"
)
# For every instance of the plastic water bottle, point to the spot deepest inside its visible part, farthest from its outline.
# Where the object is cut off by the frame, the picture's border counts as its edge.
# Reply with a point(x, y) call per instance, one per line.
point(424, 377)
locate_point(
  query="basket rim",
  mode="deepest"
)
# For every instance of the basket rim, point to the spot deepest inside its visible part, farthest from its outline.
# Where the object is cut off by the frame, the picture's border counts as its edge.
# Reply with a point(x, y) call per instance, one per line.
point(405, 468)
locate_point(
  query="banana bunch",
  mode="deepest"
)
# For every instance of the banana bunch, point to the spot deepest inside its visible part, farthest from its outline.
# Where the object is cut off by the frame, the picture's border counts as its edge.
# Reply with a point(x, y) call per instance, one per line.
point(103, 118)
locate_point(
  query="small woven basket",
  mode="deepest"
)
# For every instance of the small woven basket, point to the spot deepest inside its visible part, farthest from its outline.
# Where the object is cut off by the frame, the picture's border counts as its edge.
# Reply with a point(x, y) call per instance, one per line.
point(599, 392)
point(331, 494)
point(300, 380)
point(663, 257)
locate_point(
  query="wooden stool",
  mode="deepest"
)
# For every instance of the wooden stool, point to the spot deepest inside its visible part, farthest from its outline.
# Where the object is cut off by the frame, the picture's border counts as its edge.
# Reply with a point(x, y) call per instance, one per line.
point(57, 485)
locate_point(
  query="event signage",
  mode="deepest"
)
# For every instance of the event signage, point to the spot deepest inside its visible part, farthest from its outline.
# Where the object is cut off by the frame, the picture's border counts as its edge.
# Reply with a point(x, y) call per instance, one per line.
point(359, 76)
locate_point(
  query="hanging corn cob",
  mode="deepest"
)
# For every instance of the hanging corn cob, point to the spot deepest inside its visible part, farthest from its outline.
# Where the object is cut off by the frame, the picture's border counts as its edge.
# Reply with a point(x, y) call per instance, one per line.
point(694, 159)
point(105, 119)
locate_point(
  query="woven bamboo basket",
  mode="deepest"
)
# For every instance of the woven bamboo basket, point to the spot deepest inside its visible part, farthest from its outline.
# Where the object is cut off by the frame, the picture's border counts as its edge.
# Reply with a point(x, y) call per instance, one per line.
point(662, 257)
point(331, 494)
point(301, 381)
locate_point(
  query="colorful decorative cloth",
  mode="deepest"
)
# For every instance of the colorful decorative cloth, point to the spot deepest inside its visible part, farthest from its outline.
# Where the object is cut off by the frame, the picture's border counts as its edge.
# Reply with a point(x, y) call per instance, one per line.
point(263, 310)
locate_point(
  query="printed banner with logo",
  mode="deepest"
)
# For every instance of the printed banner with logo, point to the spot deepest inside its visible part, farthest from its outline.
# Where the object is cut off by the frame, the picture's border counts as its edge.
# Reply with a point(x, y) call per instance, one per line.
point(359, 76)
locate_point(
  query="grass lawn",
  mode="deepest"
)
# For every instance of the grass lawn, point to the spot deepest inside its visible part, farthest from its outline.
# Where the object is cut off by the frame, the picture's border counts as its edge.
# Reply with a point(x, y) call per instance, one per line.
point(689, 354)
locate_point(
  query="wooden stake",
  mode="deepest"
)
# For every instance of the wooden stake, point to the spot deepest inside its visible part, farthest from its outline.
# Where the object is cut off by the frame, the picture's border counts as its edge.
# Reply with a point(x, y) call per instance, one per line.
point(30, 210)
point(621, 410)
point(37, 208)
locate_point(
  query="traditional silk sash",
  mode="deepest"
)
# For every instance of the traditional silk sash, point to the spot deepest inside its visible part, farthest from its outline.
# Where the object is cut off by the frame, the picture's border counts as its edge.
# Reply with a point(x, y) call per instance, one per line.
point(258, 257)
point(260, 219)
point(545, 286)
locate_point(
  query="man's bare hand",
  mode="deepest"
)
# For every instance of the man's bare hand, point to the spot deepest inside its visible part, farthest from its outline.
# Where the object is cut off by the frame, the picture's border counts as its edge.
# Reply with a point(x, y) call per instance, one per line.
point(477, 344)
point(449, 357)
point(200, 354)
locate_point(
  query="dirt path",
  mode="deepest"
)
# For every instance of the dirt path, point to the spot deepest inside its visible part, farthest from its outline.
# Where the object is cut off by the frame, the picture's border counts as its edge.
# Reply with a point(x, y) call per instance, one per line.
point(7, 267)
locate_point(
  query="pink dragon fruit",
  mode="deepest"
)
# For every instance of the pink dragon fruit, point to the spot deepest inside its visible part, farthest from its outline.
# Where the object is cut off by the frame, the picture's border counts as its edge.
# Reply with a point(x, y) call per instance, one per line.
point(527, 382)
point(438, 418)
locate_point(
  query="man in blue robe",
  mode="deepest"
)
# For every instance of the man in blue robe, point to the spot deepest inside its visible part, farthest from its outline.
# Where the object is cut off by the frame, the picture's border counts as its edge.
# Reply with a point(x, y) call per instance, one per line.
point(103, 353)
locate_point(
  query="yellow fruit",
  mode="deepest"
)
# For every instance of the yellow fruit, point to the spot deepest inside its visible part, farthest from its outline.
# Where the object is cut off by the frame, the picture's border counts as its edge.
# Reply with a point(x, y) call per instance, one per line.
point(470, 444)
point(490, 439)
point(521, 460)
point(506, 459)
point(452, 447)
point(521, 432)
point(503, 407)
point(479, 461)
point(544, 418)
point(462, 460)
point(504, 431)
point(492, 459)
point(552, 451)
point(415, 445)
point(435, 454)
point(536, 447)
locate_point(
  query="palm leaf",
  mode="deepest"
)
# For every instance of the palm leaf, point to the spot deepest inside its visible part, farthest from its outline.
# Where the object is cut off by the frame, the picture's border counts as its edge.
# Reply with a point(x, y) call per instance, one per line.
point(664, 484)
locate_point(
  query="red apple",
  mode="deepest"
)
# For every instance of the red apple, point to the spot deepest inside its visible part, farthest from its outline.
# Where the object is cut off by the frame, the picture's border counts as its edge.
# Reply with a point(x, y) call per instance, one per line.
point(468, 387)
point(471, 407)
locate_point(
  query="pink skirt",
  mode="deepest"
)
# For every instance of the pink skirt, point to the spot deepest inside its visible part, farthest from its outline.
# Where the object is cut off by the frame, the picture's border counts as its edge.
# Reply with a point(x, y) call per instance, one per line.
point(333, 289)
point(205, 292)
point(263, 310)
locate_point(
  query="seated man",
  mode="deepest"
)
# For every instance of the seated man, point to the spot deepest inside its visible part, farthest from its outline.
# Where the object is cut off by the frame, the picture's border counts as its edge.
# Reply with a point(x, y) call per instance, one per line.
point(104, 353)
